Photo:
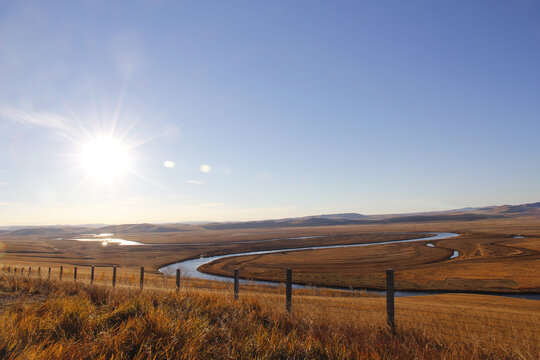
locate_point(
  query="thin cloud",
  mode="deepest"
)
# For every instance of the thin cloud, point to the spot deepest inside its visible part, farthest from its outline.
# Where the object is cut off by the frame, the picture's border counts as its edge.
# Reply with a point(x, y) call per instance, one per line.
point(196, 182)
point(39, 118)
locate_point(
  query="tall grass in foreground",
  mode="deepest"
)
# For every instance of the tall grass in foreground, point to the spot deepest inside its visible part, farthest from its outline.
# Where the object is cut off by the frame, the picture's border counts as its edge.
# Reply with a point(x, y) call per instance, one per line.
point(51, 320)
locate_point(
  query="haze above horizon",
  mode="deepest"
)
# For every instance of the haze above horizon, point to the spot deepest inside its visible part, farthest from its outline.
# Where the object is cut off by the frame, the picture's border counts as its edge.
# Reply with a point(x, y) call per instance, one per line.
point(157, 111)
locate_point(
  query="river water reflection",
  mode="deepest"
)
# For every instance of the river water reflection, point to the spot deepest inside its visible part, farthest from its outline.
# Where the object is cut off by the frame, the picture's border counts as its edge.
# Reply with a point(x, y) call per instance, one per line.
point(189, 268)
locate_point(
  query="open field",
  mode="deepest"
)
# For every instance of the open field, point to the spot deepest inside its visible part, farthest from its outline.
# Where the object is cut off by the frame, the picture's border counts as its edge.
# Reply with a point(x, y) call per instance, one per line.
point(34, 249)
point(269, 180)
point(485, 263)
point(491, 259)
point(48, 320)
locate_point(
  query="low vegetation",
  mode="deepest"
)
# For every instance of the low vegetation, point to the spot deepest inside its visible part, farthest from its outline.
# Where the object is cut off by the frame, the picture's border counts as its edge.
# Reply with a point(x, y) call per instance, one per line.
point(64, 320)
point(488, 263)
point(49, 319)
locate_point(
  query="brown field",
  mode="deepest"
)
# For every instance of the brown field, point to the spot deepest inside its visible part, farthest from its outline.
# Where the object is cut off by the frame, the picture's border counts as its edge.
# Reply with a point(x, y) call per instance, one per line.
point(173, 247)
point(490, 258)
point(485, 263)
point(52, 320)
point(47, 319)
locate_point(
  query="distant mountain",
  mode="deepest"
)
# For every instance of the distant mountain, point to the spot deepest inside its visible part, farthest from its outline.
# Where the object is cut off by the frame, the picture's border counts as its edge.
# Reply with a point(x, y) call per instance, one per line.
point(56, 227)
point(323, 221)
point(143, 228)
point(463, 214)
point(344, 216)
point(433, 218)
point(187, 223)
point(113, 229)
point(50, 231)
point(532, 208)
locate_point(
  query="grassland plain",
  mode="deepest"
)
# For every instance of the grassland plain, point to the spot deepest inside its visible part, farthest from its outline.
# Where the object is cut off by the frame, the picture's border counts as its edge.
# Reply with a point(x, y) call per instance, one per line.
point(491, 259)
point(485, 263)
point(178, 246)
point(65, 320)
point(47, 319)
point(35, 250)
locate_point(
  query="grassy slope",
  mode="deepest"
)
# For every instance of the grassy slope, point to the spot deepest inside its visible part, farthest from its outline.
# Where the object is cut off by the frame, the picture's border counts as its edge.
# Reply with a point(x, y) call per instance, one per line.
point(50, 320)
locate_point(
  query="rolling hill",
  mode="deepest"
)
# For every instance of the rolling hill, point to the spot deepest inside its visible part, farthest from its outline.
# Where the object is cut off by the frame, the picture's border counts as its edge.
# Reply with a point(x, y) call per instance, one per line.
point(464, 214)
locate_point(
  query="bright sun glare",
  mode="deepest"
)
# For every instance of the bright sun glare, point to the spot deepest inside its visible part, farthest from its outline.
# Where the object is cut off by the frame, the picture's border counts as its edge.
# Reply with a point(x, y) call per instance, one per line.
point(105, 159)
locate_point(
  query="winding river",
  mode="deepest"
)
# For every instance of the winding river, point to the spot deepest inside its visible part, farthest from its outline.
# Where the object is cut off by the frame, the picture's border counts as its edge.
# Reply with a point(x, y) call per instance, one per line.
point(189, 268)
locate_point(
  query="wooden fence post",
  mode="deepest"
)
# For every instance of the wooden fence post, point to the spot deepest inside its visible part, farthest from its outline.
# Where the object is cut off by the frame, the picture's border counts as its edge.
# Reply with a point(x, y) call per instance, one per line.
point(92, 275)
point(288, 296)
point(142, 277)
point(75, 274)
point(22, 270)
point(39, 271)
point(236, 283)
point(49, 276)
point(177, 279)
point(9, 269)
point(114, 276)
point(390, 298)
point(61, 271)
point(29, 271)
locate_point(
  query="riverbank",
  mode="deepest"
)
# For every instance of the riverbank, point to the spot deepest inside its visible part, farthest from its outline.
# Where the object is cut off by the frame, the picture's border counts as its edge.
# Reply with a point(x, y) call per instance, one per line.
point(486, 264)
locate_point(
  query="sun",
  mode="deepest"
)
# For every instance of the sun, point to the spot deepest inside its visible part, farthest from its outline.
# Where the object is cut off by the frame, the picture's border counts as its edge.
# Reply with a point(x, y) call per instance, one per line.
point(105, 159)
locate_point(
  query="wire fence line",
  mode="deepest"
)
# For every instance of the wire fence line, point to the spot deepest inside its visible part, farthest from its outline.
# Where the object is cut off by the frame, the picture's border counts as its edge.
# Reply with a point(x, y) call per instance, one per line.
point(442, 316)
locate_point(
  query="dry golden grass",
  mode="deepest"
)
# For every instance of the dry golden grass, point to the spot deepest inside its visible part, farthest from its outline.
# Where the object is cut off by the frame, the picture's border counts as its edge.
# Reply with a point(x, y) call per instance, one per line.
point(41, 250)
point(488, 261)
point(174, 247)
point(52, 320)
point(485, 263)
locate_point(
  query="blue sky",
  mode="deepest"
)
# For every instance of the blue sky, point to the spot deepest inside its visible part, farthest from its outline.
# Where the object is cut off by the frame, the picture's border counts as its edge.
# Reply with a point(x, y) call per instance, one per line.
point(295, 108)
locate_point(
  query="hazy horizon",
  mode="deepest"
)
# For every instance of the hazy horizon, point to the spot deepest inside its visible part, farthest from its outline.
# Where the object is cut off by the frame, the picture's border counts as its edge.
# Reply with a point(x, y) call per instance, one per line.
point(159, 111)
point(241, 220)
